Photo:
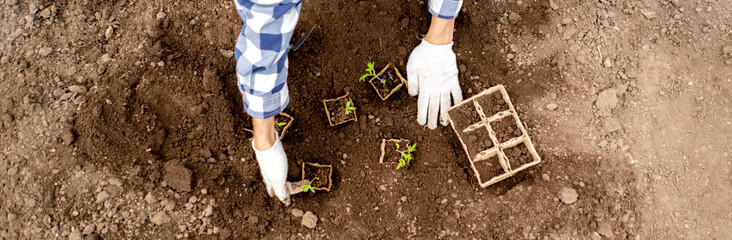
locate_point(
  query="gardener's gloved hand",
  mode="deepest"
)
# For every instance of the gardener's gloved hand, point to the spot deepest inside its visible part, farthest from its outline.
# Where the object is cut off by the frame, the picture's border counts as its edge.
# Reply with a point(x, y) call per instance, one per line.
point(433, 74)
point(273, 165)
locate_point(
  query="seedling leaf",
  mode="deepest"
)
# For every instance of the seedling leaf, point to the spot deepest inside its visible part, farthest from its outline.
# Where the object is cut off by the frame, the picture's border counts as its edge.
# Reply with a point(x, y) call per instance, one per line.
point(308, 187)
point(281, 124)
point(349, 107)
point(405, 155)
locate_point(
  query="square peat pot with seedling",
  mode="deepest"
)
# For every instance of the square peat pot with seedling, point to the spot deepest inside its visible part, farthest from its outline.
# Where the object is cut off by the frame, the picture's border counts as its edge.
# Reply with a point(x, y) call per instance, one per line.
point(387, 82)
point(340, 110)
point(397, 152)
point(493, 136)
point(283, 121)
point(318, 174)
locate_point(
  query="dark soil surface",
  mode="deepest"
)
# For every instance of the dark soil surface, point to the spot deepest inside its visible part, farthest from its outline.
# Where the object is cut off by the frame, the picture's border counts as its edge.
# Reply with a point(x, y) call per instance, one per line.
point(518, 155)
point(464, 116)
point(492, 103)
point(390, 81)
point(323, 173)
point(390, 150)
point(337, 110)
point(477, 141)
point(506, 128)
point(489, 168)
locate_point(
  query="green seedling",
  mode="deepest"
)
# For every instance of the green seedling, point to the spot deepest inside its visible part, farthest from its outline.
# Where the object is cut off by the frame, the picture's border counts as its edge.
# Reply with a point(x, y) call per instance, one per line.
point(370, 72)
point(406, 155)
point(281, 124)
point(308, 187)
point(349, 107)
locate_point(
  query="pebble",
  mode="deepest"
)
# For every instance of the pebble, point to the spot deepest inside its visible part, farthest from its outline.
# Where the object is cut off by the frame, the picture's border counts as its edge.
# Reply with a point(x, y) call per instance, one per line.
point(79, 89)
point(75, 235)
point(545, 177)
point(160, 218)
point(160, 15)
point(568, 195)
point(553, 5)
point(208, 211)
point(606, 101)
point(89, 229)
point(58, 92)
point(45, 51)
point(569, 32)
point(309, 220)
point(604, 229)
point(102, 196)
point(551, 106)
point(150, 199)
point(297, 212)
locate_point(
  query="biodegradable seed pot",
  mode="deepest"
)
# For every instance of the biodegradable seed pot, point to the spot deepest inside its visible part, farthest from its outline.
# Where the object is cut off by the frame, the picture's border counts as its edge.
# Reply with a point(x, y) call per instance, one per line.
point(492, 136)
point(387, 82)
point(283, 121)
point(340, 110)
point(390, 153)
point(323, 172)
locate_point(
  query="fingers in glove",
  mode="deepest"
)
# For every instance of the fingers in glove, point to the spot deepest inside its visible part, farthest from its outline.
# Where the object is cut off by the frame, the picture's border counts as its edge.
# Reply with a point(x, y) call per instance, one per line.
point(422, 105)
point(412, 80)
point(444, 105)
point(434, 110)
point(457, 93)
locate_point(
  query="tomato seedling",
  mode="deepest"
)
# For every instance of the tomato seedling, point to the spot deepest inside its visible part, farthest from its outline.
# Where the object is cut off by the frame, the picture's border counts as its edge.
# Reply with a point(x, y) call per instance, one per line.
point(370, 72)
point(308, 187)
point(349, 107)
point(406, 155)
point(281, 124)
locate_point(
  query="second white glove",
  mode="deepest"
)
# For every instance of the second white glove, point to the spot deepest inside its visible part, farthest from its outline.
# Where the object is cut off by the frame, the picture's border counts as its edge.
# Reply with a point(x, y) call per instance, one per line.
point(273, 165)
point(433, 74)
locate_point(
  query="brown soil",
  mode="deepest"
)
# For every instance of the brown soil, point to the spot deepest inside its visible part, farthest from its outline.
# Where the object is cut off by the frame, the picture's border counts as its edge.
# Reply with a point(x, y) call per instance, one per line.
point(506, 129)
point(489, 168)
point(337, 110)
point(390, 81)
point(639, 125)
point(518, 155)
point(492, 103)
point(323, 173)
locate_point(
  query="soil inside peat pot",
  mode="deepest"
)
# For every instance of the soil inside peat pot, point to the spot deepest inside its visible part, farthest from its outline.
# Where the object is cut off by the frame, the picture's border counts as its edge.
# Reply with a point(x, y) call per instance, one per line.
point(390, 81)
point(489, 168)
point(464, 116)
point(506, 128)
point(281, 122)
point(477, 141)
point(321, 172)
point(390, 150)
point(518, 155)
point(492, 103)
point(337, 111)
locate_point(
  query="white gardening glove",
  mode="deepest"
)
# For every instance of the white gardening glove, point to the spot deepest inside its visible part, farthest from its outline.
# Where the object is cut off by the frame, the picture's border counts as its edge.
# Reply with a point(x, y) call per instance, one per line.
point(273, 165)
point(433, 74)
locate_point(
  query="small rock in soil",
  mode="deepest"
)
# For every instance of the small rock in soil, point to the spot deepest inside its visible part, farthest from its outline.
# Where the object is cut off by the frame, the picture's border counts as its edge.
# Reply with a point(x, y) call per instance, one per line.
point(67, 136)
point(78, 89)
point(45, 51)
point(208, 211)
point(569, 32)
point(150, 199)
point(160, 218)
point(75, 235)
point(595, 236)
point(606, 101)
point(93, 236)
point(551, 106)
point(309, 220)
point(568, 195)
point(211, 80)
point(102, 196)
point(545, 177)
point(297, 212)
point(553, 5)
point(89, 229)
point(177, 176)
point(610, 125)
point(604, 229)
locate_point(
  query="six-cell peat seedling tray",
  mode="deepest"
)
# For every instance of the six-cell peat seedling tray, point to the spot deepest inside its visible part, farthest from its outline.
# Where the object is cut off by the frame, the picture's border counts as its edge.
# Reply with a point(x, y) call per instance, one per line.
point(493, 136)
point(387, 82)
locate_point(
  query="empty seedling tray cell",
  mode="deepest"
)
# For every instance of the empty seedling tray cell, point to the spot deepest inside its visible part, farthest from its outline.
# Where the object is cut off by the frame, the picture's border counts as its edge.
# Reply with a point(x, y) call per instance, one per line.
point(493, 136)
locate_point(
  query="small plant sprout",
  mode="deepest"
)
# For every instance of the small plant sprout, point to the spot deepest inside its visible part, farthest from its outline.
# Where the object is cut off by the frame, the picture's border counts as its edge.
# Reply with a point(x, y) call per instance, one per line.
point(349, 107)
point(370, 72)
point(308, 187)
point(406, 155)
point(281, 124)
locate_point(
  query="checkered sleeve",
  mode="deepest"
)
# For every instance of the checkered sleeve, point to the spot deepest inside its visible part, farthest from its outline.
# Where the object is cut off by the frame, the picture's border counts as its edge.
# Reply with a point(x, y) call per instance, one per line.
point(261, 54)
point(447, 9)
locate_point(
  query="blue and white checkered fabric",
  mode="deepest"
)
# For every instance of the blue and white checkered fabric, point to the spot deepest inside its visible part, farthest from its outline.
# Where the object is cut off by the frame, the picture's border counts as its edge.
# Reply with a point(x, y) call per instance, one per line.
point(261, 50)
